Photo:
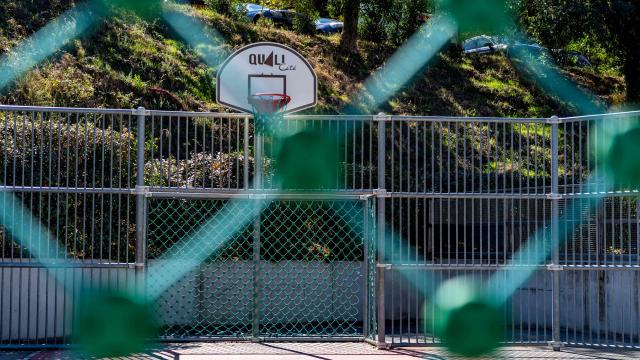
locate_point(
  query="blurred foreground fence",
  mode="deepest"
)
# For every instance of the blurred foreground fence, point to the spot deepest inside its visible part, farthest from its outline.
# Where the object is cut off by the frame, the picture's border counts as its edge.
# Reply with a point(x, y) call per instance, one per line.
point(412, 202)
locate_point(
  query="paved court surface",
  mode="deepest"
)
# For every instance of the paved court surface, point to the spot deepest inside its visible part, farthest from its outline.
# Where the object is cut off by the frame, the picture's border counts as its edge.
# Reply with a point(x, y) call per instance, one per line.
point(330, 351)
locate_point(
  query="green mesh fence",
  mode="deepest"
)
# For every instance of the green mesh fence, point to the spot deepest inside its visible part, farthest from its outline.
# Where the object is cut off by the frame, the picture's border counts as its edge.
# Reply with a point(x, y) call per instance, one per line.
point(216, 298)
point(298, 271)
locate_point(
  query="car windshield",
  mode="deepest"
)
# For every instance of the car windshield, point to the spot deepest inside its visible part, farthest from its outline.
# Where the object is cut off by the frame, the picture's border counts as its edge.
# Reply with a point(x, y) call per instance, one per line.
point(325, 20)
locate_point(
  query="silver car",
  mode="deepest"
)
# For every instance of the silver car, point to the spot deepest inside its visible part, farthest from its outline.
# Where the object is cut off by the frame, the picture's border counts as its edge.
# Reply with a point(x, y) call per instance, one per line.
point(483, 44)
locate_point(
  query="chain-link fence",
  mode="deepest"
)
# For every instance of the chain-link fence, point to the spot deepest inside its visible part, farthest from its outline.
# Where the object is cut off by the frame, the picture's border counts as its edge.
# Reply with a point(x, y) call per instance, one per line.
point(296, 269)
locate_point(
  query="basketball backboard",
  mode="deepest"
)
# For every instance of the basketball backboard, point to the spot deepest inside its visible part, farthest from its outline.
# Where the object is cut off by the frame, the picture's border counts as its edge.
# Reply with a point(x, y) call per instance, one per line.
point(266, 67)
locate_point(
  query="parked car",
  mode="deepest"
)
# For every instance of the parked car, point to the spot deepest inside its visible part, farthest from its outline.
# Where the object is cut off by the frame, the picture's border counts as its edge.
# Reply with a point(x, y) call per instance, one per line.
point(558, 56)
point(571, 58)
point(483, 44)
point(328, 26)
point(523, 49)
point(255, 12)
point(252, 12)
point(280, 17)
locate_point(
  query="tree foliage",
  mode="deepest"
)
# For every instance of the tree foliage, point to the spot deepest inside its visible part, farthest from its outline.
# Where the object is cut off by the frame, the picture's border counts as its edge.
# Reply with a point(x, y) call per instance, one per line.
point(597, 24)
point(393, 21)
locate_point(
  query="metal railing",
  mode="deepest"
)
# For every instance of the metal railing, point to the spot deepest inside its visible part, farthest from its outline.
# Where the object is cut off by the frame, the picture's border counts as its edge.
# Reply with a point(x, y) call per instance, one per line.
point(451, 196)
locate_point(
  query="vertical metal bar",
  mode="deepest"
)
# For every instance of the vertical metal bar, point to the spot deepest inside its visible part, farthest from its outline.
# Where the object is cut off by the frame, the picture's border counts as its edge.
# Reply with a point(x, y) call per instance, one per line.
point(353, 155)
point(203, 144)
point(3, 305)
point(258, 161)
point(101, 196)
point(362, 151)
point(258, 170)
point(229, 122)
point(555, 241)
point(245, 169)
point(381, 232)
point(637, 220)
point(128, 182)
point(140, 197)
point(366, 259)
point(255, 327)
point(346, 155)
point(381, 311)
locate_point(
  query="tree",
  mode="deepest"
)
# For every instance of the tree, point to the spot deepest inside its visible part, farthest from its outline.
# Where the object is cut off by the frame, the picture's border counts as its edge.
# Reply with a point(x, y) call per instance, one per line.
point(611, 24)
point(349, 39)
point(622, 23)
point(395, 27)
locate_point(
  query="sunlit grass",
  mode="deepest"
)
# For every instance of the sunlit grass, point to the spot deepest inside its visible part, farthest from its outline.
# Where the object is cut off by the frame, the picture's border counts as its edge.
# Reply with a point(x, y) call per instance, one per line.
point(496, 84)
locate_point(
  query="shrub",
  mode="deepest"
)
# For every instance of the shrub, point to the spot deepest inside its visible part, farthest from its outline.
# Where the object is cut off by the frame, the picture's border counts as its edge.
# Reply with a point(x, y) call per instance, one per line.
point(60, 84)
point(68, 151)
point(393, 21)
point(200, 170)
point(303, 23)
point(225, 7)
point(597, 54)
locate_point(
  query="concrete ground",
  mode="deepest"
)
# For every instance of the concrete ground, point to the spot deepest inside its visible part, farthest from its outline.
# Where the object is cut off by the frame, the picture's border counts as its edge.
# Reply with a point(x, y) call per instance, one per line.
point(329, 351)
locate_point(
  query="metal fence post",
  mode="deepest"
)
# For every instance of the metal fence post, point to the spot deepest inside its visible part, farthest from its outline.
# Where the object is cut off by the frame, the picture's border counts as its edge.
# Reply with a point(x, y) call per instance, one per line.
point(367, 258)
point(381, 119)
point(141, 202)
point(257, 182)
point(245, 166)
point(556, 343)
point(255, 315)
point(258, 154)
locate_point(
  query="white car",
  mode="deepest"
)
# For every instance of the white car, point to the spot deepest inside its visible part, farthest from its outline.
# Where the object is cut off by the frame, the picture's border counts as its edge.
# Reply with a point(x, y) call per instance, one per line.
point(483, 44)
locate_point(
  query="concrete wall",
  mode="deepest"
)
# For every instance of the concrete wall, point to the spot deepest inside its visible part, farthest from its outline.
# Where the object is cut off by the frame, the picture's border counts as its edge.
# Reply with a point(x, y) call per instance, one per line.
point(289, 291)
point(33, 305)
point(590, 301)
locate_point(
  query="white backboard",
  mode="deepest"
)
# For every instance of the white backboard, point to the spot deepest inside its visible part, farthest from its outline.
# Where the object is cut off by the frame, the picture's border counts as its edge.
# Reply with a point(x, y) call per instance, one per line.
point(266, 67)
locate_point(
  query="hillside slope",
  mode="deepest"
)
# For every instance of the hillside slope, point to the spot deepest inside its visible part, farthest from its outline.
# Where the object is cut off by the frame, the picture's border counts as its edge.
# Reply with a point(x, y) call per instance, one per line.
point(129, 62)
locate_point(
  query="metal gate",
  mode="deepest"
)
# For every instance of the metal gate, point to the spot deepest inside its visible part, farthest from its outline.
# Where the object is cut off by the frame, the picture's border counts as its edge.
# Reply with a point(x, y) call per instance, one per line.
point(296, 269)
point(131, 196)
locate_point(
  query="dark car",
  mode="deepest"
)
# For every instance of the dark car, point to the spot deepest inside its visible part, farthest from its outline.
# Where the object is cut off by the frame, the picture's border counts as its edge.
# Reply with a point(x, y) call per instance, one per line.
point(571, 58)
point(252, 12)
point(278, 17)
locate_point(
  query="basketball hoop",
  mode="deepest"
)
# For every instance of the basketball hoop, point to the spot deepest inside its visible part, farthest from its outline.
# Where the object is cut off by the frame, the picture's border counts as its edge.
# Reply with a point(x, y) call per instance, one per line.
point(267, 103)
point(268, 109)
